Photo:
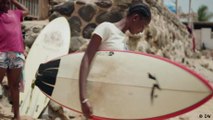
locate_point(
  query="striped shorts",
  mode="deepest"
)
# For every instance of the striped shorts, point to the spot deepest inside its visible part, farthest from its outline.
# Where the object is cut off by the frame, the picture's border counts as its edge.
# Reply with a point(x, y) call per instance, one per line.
point(11, 60)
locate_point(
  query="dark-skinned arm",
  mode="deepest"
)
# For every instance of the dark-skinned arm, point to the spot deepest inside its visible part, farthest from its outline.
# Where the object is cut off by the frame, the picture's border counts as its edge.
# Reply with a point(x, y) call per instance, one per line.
point(84, 71)
point(20, 7)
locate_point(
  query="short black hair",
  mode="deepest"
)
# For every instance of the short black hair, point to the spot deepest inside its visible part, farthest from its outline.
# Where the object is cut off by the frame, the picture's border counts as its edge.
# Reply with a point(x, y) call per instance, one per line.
point(141, 9)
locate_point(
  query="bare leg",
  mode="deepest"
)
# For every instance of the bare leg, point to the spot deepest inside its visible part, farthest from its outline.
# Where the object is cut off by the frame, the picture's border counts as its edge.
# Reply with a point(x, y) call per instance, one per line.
point(2, 74)
point(13, 79)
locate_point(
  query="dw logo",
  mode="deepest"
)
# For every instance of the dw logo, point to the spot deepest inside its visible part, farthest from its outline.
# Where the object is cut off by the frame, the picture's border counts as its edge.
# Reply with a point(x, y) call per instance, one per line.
point(206, 116)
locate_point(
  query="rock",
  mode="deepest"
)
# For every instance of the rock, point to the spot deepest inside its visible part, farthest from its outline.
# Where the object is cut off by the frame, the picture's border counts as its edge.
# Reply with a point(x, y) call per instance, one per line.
point(152, 50)
point(159, 53)
point(87, 31)
point(104, 3)
point(54, 106)
point(111, 16)
point(132, 42)
point(143, 46)
point(36, 29)
point(102, 16)
point(122, 3)
point(65, 9)
point(55, 111)
point(70, 114)
point(75, 25)
point(87, 12)
point(79, 2)
point(32, 30)
point(205, 65)
point(45, 114)
point(30, 38)
point(76, 43)
point(54, 15)
point(57, 1)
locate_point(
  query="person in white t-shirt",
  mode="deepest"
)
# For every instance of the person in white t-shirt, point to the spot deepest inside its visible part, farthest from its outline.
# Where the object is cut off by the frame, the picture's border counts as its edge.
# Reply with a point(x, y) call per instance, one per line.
point(110, 36)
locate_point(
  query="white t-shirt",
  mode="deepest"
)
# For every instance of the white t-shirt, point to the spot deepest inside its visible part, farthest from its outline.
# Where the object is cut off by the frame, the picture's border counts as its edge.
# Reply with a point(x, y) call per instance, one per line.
point(112, 37)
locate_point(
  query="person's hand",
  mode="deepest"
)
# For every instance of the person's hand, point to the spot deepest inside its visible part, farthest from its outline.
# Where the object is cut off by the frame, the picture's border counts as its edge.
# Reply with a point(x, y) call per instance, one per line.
point(86, 109)
point(25, 54)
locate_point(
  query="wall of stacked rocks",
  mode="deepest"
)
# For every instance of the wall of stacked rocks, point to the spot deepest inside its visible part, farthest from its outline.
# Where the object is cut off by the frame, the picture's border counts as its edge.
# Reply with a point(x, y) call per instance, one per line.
point(165, 36)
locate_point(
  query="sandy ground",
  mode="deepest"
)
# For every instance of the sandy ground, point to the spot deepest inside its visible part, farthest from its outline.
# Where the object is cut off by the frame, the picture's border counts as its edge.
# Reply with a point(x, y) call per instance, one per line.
point(205, 112)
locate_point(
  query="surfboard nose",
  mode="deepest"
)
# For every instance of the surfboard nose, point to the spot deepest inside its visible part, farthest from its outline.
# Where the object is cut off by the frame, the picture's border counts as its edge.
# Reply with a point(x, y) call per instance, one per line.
point(46, 76)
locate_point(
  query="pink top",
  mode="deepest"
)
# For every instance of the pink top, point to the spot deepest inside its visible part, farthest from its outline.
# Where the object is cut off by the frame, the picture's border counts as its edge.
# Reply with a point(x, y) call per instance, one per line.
point(10, 31)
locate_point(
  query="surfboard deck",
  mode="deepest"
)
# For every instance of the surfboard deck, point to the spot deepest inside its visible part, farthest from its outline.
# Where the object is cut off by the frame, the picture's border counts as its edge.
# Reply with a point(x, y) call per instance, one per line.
point(125, 85)
point(52, 42)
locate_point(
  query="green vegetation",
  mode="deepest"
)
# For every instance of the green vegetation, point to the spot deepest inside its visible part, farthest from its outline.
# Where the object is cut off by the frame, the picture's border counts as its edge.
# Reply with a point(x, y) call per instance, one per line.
point(203, 14)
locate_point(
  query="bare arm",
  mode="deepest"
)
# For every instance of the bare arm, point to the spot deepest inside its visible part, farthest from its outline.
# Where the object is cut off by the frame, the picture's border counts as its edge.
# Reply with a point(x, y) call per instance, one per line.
point(84, 71)
point(20, 7)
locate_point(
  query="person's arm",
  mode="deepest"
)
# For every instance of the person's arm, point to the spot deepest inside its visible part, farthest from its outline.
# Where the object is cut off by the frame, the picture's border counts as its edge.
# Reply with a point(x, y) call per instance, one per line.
point(84, 71)
point(25, 11)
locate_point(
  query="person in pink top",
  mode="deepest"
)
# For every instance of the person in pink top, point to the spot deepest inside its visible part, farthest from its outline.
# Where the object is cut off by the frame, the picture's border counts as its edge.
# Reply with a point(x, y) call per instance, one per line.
point(12, 48)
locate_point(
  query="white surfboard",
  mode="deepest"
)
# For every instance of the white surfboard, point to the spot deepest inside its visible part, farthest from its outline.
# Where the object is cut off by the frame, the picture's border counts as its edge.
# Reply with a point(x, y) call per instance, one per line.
point(125, 85)
point(52, 42)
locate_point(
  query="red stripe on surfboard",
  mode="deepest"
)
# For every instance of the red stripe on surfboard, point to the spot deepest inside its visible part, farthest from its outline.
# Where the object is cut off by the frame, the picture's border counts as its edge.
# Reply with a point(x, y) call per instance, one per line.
point(170, 115)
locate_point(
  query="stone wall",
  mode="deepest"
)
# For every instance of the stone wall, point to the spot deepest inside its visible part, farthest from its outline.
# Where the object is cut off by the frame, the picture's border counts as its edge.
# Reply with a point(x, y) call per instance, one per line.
point(165, 36)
